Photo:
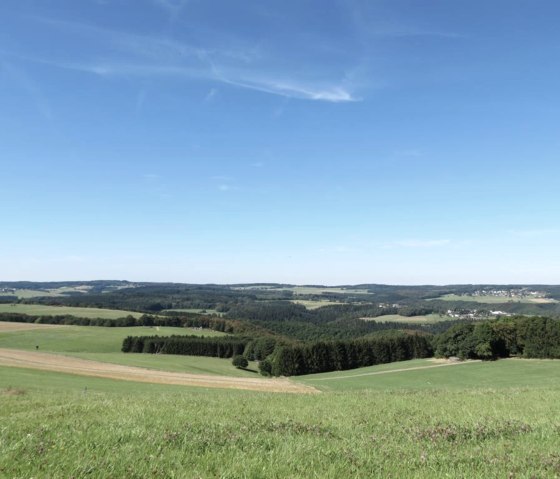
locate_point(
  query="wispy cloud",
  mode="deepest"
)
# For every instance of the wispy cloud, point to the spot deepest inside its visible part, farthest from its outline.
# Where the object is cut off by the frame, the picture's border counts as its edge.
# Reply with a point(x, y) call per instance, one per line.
point(127, 54)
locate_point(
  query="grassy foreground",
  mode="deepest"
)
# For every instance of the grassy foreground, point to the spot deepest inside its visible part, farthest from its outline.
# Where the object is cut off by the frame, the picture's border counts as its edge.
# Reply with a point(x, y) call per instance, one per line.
point(50, 426)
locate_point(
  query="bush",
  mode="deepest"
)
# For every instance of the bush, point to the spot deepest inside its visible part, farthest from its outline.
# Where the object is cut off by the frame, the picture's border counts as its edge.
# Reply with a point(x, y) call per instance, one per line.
point(240, 362)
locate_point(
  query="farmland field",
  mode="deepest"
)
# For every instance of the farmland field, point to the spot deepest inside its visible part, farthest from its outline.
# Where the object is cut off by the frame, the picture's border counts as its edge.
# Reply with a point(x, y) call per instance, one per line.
point(314, 304)
point(306, 290)
point(397, 318)
point(85, 339)
point(45, 310)
point(489, 299)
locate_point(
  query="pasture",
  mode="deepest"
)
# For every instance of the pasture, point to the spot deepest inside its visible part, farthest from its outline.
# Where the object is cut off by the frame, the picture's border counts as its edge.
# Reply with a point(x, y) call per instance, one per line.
point(84, 339)
point(432, 374)
point(45, 310)
point(52, 426)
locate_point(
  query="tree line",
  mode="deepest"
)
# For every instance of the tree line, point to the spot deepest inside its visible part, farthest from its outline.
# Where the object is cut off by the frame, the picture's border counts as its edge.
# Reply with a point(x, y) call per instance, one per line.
point(182, 321)
point(324, 356)
point(529, 337)
point(223, 347)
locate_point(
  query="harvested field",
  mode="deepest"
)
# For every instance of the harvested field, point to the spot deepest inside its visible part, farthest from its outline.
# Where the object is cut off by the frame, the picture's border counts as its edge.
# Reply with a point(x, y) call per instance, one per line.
point(84, 367)
point(7, 327)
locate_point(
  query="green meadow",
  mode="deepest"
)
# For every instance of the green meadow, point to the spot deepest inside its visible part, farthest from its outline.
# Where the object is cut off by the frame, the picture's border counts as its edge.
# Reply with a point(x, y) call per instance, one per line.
point(86, 339)
point(421, 374)
point(401, 420)
point(104, 344)
point(59, 425)
point(45, 310)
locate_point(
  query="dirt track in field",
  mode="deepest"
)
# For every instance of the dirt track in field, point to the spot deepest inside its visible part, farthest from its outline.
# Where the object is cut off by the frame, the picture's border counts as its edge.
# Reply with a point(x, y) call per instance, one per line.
point(8, 327)
point(84, 367)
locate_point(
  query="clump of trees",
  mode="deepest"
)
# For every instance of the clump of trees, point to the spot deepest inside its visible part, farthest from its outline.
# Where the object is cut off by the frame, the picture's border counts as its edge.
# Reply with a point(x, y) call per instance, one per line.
point(529, 337)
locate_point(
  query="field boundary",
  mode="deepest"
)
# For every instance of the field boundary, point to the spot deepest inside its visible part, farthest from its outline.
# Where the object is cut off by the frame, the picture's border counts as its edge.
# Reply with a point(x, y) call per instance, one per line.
point(416, 368)
point(85, 367)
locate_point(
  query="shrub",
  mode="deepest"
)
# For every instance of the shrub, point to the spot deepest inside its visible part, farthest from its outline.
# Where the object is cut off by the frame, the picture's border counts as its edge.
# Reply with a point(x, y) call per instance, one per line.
point(240, 362)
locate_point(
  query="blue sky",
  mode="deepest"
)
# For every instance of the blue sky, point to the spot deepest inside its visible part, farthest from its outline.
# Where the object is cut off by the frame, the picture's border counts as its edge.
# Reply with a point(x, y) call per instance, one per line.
point(301, 141)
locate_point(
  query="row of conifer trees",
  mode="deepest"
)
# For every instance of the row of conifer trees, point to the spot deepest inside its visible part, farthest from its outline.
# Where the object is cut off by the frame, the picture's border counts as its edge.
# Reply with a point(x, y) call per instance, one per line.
point(223, 347)
point(323, 356)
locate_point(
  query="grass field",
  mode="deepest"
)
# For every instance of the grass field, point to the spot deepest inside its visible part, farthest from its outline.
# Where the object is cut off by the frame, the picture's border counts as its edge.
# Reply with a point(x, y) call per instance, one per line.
point(104, 344)
point(85, 339)
point(397, 318)
point(44, 310)
point(401, 420)
point(315, 304)
point(305, 290)
point(495, 299)
point(52, 426)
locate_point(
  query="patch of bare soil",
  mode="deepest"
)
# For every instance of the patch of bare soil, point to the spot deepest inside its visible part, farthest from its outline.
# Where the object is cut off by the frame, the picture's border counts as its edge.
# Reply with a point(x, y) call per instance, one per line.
point(85, 367)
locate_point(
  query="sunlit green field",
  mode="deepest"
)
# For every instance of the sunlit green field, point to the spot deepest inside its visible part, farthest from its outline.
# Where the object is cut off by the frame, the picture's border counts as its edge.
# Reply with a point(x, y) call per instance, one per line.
point(315, 304)
point(86, 339)
point(45, 310)
point(401, 420)
point(429, 374)
point(104, 344)
point(52, 426)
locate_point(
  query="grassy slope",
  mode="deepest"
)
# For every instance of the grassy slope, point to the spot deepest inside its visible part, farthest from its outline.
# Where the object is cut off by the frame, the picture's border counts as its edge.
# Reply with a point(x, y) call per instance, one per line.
point(44, 310)
point(118, 429)
point(511, 373)
point(104, 344)
point(171, 362)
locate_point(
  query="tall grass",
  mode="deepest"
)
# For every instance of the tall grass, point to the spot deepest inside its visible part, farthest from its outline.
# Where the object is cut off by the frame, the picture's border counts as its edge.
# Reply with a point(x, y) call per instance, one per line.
point(57, 428)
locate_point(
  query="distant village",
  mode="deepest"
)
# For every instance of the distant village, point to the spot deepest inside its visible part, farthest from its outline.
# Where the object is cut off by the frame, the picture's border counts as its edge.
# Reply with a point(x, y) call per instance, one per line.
point(517, 293)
